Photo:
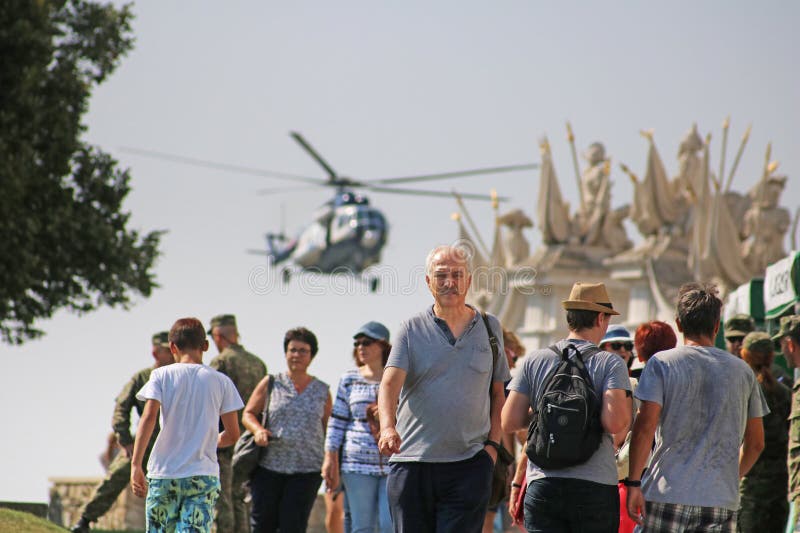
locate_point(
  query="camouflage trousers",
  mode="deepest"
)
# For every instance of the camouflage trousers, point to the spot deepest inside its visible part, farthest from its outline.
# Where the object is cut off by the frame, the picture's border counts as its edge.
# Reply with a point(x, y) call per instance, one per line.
point(116, 480)
point(763, 514)
point(233, 513)
point(793, 524)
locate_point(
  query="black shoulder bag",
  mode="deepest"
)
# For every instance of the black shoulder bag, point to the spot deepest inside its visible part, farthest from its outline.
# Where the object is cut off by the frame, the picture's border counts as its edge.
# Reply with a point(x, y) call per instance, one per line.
point(246, 453)
point(501, 487)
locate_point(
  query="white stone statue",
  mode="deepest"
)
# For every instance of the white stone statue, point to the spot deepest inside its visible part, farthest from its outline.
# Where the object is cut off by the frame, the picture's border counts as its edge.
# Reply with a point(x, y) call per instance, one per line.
point(595, 197)
point(516, 244)
point(765, 226)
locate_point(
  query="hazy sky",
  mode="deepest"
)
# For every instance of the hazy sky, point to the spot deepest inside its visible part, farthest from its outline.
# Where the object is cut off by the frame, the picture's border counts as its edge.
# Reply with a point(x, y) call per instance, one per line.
point(380, 90)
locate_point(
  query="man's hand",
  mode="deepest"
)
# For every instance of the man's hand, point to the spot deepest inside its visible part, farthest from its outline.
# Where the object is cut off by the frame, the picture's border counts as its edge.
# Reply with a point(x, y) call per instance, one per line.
point(389, 441)
point(138, 481)
point(636, 504)
point(492, 451)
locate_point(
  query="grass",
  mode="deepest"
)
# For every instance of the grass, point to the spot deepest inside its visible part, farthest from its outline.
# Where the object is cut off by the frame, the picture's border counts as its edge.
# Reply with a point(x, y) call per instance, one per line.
point(20, 522)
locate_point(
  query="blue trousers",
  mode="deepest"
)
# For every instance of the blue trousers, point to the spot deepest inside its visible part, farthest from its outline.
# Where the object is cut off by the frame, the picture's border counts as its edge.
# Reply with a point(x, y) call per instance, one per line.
point(367, 502)
point(556, 505)
point(440, 497)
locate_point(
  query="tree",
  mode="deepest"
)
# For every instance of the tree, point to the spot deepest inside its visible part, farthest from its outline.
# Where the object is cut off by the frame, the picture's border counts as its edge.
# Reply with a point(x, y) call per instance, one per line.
point(65, 242)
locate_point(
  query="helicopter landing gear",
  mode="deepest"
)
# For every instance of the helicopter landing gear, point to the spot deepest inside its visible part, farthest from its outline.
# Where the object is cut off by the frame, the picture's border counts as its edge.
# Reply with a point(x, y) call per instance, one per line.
point(373, 285)
point(286, 275)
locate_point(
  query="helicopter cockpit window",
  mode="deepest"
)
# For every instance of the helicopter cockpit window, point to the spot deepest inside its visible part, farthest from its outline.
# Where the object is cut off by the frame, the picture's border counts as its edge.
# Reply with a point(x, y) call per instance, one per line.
point(371, 219)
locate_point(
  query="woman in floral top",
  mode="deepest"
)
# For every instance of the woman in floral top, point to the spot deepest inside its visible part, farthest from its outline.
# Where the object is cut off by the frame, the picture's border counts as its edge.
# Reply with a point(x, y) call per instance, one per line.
point(363, 470)
point(284, 486)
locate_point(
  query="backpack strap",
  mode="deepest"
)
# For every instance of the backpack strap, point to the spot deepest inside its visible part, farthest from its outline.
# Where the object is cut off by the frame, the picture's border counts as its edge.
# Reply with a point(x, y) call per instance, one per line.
point(494, 344)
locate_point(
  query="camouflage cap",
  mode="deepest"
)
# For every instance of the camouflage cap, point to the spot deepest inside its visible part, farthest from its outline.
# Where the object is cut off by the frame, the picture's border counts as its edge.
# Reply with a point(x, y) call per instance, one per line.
point(758, 341)
point(790, 325)
point(161, 339)
point(739, 325)
point(222, 320)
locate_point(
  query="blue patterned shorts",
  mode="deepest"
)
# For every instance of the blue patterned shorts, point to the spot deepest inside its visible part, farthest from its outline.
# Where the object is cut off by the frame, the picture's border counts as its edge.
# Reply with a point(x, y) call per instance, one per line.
point(668, 517)
point(184, 505)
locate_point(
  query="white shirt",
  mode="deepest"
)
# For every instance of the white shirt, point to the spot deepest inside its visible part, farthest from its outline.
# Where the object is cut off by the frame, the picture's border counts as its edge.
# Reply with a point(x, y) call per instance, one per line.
point(192, 397)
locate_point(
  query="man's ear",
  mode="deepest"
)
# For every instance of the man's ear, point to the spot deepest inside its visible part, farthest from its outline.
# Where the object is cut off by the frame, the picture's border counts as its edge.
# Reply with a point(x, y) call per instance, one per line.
point(205, 345)
point(678, 323)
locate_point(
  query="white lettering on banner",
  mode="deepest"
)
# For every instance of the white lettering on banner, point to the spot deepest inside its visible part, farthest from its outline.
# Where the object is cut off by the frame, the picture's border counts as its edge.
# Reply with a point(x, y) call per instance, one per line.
point(778, 287)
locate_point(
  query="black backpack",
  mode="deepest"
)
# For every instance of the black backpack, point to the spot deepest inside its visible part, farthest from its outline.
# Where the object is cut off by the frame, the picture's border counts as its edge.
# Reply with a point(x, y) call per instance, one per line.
point(565, 429)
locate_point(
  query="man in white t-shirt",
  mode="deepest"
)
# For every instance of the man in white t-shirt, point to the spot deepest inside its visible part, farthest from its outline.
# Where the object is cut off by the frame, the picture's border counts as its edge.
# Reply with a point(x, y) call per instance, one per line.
point(182, 482)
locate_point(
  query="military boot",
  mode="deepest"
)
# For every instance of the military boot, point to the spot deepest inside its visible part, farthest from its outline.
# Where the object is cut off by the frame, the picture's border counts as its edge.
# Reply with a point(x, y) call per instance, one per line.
point(81, 527)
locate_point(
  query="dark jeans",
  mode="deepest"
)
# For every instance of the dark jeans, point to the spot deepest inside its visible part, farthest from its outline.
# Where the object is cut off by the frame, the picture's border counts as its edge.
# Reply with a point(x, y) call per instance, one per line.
point(282, 502)
point(571, 506)
point(440, 497)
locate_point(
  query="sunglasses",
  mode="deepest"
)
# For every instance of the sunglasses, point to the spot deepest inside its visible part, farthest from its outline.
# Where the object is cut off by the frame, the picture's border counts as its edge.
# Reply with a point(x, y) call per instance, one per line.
point(734, 339)
point(364, 342)
point(617, 345)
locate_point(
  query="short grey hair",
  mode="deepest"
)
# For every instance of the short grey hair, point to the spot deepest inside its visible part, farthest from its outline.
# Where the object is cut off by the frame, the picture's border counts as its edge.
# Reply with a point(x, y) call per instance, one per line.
point(459, 253)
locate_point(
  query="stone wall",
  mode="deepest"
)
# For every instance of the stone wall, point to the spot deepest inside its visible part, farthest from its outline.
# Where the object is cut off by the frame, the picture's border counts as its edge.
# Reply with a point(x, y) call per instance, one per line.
point(69, 494)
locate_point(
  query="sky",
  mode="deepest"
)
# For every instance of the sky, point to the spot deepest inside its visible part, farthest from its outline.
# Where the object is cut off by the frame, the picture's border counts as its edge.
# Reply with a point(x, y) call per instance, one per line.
point(380, 89)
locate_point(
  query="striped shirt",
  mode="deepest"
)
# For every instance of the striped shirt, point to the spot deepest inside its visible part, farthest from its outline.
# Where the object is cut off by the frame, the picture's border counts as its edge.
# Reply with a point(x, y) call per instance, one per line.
point(348, 429)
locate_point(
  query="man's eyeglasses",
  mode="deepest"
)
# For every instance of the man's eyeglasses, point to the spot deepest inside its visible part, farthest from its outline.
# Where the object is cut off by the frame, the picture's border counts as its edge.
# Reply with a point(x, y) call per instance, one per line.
point(733, 340)
point(617, 345)
point(363, 342)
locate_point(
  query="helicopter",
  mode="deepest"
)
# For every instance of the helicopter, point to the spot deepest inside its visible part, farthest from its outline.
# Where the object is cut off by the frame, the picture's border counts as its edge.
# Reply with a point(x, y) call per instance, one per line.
point(346, 234)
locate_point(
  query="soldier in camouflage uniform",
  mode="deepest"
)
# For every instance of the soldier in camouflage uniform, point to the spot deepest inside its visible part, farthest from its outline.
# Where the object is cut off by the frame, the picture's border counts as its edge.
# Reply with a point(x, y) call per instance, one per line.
point(789, 338)
point(735, 329)
point(246, 371)
point(119, 471)
point(764, 506)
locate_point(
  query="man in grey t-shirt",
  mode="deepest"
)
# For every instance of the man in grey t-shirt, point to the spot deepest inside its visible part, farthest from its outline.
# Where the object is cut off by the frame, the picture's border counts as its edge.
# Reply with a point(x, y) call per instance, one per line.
point(583, 497)
point(439, 402)
point(704, 407)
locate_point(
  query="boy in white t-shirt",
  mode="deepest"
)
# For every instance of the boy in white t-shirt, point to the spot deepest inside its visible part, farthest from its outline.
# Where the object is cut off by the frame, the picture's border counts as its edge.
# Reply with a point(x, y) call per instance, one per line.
point(182, 474)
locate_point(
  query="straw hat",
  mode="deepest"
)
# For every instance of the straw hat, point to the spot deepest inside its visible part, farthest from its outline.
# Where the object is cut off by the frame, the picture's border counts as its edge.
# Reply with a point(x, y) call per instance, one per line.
point(589, 297)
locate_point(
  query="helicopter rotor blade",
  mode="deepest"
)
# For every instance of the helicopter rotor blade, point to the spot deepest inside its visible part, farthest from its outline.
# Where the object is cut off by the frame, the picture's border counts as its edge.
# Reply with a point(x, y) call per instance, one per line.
point(332, 175)
point(278, 190)
point(440, 194)
point(154, 154)
point(456, 174)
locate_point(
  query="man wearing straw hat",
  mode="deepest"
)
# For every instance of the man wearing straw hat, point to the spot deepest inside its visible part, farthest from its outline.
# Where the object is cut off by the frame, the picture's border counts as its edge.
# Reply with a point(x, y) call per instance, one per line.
point(583, 497)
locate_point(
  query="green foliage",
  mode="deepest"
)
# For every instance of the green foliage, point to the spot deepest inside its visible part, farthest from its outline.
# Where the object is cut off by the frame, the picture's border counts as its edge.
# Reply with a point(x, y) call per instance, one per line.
point(65, 238)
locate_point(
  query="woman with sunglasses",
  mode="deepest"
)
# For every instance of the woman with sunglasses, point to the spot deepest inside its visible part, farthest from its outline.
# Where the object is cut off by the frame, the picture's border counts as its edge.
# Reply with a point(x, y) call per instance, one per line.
point(353, 432)
point(618, 340)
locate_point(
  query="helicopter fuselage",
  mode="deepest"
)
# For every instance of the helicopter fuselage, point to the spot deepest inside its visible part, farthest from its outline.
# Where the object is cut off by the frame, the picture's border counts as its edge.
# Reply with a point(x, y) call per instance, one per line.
point(346, 234)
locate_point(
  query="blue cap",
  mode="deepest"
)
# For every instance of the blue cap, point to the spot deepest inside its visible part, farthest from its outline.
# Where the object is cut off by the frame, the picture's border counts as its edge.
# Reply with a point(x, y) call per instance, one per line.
point(617, 334)
point(373, 330)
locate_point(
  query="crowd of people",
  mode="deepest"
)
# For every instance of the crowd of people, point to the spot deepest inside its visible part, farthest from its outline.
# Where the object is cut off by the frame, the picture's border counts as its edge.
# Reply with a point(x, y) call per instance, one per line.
point(616, 431)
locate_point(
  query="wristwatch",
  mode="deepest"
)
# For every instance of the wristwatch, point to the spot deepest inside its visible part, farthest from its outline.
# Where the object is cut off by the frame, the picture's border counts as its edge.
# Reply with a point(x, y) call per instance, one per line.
point(632, 482)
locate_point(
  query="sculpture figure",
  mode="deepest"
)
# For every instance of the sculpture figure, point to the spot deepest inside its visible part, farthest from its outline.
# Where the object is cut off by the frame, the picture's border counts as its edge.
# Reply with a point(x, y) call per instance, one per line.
point(765, 226)
point(516, 244)
point(595, 186)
